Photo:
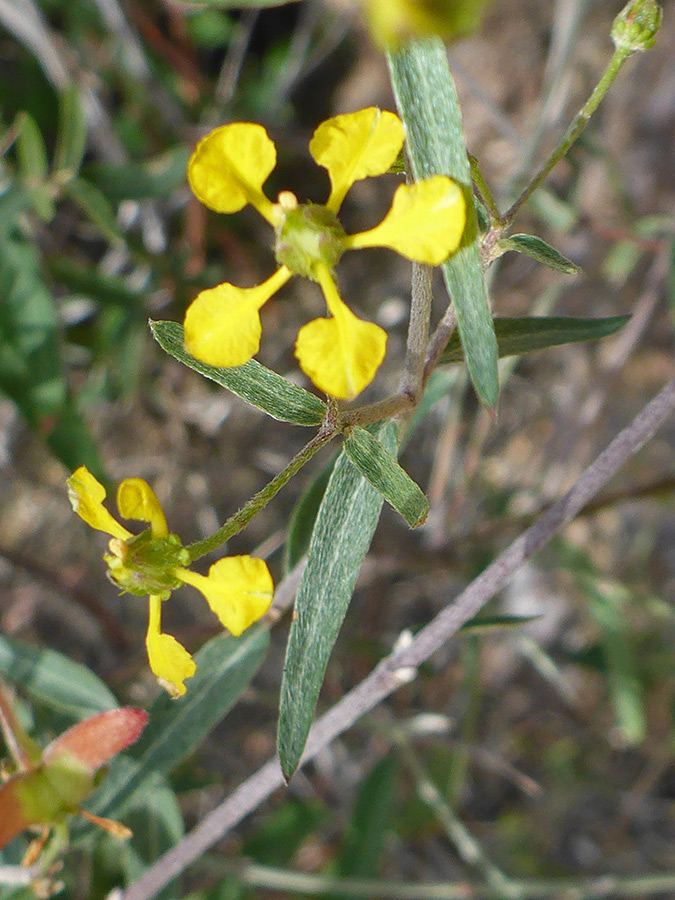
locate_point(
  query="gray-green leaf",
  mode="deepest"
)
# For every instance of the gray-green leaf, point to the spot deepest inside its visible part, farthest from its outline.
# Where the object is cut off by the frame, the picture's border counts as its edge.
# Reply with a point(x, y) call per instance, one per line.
point(427, 101)
point(538, 249)
point(344, 528)
point(523, 335)
point(303, 518)
point(96, 206)
point(257, 385)
point(50, 678)
point(384, 473)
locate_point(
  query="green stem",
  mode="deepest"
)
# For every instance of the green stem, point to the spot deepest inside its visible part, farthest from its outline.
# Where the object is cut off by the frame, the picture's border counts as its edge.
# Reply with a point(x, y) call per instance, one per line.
point(259, 501)
point(25, 752)
point(578, 124)
point(483, 188)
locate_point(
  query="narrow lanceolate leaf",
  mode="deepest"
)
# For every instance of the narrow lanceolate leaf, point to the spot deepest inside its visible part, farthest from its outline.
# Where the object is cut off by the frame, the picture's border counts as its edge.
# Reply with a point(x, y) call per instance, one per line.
point(344, 528)
point(252, 382)
point(53, 680)
point(96, 207)
point(384, 473)
point(493, 623)
point(71, 138)
point(533, 246)
point(427, 101)
point(225, 666)
point(523, 335)
point(31, 151)
point(303, 517)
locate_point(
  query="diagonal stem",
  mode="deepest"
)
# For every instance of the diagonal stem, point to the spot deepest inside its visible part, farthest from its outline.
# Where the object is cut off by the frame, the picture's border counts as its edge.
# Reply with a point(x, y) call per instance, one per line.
point(259, 501)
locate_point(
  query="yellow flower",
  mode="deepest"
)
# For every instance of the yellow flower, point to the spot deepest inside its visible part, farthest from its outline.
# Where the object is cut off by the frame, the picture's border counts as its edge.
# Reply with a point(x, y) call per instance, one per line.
point(396, 21)
point(228, 169)
point(238, 589)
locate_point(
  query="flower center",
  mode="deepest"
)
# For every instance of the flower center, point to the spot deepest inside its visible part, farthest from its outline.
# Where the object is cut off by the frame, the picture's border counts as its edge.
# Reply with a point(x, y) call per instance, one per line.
point(144, 564)
point(308, 235)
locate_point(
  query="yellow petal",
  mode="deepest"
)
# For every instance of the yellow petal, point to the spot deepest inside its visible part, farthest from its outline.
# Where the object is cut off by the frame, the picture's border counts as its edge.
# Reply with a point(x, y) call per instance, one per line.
point(222, 324)
point(86, 496)
point(239, 589)
point(341, 355)
point(170, 662)
point(425, 223)
point(137, 500)
point(229, 167)
point(354, 146)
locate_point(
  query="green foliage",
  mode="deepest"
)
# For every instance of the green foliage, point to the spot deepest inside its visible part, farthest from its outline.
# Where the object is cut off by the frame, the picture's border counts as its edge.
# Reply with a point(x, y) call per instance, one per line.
point(252, 382)
point(380, 468)
point(156, 821)
point(96, 231)
point(157, 179)
point(608, 604)
point(538, 249)
point(240, 4)
point(303, 517)
point(427, 101)
point(51, 679)
point(276, 841)
point(31, 370)
point(524, 335)
point(71, 138)
point(344, 528)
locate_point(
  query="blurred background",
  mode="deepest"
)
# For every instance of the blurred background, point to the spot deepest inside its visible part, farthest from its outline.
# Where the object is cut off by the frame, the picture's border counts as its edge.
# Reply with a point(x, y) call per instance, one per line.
point(548, 727)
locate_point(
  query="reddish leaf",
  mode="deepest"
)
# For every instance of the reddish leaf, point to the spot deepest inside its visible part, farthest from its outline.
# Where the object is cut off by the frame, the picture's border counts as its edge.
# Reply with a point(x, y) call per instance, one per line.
point(96, 740)
point(12, 819)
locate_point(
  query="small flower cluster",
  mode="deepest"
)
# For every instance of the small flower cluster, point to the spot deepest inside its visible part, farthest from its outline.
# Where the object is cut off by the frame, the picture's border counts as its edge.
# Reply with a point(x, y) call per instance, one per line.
point(425, 223)
point(238, 589)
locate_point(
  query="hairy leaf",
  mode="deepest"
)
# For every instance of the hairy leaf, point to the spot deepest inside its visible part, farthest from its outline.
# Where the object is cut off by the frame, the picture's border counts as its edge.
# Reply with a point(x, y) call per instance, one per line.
point(523, 335)
point(252, 382)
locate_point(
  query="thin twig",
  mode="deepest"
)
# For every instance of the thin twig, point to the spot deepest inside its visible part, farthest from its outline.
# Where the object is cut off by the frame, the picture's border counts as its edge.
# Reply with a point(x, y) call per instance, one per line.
point(11, 731)
point(257, 502)
point(228, 79)
point(400, 666)
point(412, 382)
point(466, 845)
point(576, 127)
point(439, 340)
point(602, 887)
